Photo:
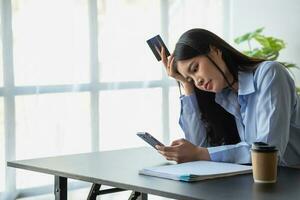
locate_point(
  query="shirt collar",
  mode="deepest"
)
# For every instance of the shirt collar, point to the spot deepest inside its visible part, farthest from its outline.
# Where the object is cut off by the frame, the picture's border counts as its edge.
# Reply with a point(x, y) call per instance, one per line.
point(246, 83)
point(246, 86)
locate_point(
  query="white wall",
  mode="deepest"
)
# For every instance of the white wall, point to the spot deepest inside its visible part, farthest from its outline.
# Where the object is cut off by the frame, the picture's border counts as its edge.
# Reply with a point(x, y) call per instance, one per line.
point(281, 18)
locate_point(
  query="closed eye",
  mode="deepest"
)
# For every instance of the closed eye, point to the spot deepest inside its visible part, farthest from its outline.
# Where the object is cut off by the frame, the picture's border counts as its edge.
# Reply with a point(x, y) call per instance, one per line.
point(194, 68)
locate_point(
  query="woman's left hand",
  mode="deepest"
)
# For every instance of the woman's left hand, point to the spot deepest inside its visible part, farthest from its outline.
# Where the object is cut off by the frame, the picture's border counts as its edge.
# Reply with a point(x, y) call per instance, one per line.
point(183, 151)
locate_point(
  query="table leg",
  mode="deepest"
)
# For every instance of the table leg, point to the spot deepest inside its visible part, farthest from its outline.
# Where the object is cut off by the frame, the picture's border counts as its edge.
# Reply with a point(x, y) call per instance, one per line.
point(60, 188)
point(94, 191)
point(138, 196)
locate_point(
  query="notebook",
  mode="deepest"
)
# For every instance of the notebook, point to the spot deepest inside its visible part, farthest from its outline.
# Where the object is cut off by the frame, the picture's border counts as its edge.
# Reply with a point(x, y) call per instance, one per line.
point(197, 170)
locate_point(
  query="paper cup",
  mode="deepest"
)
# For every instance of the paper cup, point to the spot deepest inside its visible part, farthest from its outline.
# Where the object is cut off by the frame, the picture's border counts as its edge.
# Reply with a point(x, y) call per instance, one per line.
point(264, 163)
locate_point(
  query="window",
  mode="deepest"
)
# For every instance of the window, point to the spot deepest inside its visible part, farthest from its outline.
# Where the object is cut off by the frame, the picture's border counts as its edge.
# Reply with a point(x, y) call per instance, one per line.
point(55, 121)
point(49, 125)
point(51, 42)
point(2, 138)
point(82, 78)
point(123, 113)
point(174, 111)
point(2, 148)
point(1, 56)
point(124, 57)
point(123, 52)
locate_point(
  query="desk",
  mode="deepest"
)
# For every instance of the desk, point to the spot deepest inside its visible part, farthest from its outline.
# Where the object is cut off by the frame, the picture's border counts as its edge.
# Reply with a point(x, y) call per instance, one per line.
point(119, 169)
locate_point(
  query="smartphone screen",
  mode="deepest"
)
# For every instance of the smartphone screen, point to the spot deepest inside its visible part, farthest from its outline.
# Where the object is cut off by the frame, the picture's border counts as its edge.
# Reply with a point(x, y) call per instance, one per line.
point(155, 44)
point(147, 137)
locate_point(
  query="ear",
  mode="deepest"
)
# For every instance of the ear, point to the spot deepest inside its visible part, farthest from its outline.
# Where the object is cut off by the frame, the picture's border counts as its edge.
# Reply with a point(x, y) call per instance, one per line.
point(215, 50)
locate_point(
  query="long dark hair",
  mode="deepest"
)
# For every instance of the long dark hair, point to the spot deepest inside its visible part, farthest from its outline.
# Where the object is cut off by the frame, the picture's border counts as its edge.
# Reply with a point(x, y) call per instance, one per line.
point(220, 125)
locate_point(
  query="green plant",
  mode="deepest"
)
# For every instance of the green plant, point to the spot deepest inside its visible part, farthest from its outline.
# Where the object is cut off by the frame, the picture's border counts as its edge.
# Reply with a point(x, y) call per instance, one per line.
point(268, 47)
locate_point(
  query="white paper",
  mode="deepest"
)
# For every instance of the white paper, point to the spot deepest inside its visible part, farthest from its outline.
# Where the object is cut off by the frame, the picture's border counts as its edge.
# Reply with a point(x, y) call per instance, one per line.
point(197, 170)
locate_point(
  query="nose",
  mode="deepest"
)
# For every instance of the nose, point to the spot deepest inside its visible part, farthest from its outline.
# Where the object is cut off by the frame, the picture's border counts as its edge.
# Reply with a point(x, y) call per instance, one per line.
point(199, 82)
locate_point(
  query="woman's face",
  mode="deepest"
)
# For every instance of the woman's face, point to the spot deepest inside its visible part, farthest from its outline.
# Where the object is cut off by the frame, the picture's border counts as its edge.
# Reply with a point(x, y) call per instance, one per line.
point(203, 73)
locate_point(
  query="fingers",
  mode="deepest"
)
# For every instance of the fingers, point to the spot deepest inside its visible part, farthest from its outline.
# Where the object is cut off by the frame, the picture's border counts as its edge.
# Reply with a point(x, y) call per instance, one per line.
point(171, 156)
point(172, 72)
point(166, 148)
point(170, 153)
point(168, 62)
point(180, 151)
point(167, 153)
point(164, 57)
point(162, 54)
point(177, 142)
point(171, 66)
point(172, 159)
point(157, 49)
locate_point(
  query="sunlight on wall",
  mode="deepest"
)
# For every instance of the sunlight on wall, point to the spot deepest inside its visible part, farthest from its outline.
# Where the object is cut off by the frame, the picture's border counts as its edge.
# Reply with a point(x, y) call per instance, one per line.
point(185, 15)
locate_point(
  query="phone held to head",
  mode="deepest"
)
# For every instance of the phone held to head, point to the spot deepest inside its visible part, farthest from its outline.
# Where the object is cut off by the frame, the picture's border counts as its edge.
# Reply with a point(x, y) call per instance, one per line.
point(147, 137)
point(156, 44)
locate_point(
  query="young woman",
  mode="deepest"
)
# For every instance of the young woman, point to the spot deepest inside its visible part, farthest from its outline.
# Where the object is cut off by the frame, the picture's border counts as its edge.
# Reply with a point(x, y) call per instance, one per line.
point(231, 101)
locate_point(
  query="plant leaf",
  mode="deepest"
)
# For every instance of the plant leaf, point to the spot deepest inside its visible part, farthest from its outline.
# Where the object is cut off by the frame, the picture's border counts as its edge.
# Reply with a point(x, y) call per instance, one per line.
point(242, 38)
point(248, 36)
point(276, 44)
point(262, 40)
point(290, 65)
point(269, 48)
point(298, 90)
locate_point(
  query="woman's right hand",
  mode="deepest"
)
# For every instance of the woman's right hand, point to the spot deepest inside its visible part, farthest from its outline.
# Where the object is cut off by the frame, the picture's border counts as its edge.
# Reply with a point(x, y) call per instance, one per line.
point(169, 66)
point(172, 72)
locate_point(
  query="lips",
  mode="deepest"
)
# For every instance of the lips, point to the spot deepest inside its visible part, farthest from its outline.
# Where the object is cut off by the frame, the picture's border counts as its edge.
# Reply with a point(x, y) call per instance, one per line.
point(207, 85)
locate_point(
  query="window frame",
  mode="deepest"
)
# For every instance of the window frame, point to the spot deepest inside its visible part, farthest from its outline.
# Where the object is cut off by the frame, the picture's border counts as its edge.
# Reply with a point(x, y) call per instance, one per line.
point(9, 92)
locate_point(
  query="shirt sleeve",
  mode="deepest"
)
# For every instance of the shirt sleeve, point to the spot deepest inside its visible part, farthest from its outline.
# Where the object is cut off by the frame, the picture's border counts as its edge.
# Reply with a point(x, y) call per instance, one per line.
point(273, 110)
point(237, 153)
point(190, 121)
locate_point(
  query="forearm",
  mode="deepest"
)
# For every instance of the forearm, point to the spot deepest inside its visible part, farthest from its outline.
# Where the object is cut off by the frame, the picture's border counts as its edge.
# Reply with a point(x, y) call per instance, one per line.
point(190, 121)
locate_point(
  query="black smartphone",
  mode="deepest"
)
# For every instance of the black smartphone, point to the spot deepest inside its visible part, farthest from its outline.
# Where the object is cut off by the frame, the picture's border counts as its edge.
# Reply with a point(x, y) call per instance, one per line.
point(155, 44)
point(147, 137)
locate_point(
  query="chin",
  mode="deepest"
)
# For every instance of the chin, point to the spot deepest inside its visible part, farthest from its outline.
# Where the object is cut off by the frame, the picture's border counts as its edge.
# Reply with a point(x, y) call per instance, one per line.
point(216, 90)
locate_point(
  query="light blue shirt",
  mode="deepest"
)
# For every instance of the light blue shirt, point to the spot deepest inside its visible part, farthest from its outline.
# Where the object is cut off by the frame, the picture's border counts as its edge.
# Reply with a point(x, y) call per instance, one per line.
point(266, 109)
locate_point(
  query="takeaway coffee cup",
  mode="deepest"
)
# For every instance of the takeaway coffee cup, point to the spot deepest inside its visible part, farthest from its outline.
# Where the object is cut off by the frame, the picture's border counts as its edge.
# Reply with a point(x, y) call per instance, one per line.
point(264, 162)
